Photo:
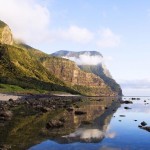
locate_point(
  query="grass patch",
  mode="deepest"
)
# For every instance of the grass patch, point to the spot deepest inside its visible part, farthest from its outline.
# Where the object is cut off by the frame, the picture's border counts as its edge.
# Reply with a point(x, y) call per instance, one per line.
point(7, 88)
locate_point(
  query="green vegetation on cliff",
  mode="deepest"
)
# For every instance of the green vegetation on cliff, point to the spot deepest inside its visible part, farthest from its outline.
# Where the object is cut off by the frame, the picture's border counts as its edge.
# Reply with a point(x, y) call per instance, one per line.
point(18, 67)
point(99, 71)
point(27, 68)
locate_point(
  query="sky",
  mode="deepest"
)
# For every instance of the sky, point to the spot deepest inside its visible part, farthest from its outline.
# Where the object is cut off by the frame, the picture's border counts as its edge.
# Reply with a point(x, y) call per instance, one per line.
point(119, 30)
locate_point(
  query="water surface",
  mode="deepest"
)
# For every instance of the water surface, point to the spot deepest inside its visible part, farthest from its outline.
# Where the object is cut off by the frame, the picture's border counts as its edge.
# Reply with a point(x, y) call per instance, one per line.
point(112, 127)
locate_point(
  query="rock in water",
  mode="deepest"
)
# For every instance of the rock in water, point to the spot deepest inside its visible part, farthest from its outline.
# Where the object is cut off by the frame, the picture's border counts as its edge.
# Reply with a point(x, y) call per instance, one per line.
point(143, 123)
point(146, 128)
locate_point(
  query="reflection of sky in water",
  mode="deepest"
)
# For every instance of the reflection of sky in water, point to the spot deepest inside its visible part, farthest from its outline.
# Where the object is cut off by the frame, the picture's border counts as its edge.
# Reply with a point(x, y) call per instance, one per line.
point(120, 135)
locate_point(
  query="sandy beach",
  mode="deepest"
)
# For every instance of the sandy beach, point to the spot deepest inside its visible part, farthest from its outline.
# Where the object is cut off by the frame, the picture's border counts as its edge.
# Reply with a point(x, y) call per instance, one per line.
point(6, 97)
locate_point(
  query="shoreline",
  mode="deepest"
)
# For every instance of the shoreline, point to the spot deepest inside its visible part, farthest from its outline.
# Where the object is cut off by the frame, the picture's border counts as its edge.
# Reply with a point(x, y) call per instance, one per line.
point(6, 97)
point(13, 96)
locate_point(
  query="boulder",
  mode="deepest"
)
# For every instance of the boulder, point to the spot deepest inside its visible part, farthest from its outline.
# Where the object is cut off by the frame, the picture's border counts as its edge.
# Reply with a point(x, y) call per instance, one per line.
point(5, 115)
point(55, 123)
point(143, 123)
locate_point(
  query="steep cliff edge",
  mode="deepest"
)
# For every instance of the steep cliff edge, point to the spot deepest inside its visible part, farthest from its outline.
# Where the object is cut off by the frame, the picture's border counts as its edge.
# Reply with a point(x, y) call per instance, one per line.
point(83, 82)
point(91, 62)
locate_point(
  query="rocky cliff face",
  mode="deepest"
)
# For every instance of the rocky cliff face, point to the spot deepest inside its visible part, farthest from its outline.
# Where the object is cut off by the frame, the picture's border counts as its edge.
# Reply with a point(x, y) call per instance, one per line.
point(5, 34)
point(85, 58)
point(91, 62)
point(84, 82)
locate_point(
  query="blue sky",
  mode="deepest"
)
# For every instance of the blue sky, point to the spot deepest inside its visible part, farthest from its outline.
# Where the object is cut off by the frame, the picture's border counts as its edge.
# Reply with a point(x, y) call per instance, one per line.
point(120, 30)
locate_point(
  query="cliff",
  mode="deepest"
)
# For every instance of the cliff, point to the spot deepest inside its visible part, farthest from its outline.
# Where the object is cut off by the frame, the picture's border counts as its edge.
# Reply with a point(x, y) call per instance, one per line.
point(83, 82)
point(91, 62)
point(27, 67)
point(19, 68)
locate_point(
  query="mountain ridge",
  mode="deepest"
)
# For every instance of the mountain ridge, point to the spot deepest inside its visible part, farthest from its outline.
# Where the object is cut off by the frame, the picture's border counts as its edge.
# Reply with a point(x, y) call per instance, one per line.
point(83, 60)
point(27, 67)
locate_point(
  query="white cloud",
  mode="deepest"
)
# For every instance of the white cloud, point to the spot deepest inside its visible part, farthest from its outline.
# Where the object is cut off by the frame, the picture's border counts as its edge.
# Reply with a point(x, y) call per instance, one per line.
point(108, 39)
point(87, 59)
point(28, 19)
point(76, 34)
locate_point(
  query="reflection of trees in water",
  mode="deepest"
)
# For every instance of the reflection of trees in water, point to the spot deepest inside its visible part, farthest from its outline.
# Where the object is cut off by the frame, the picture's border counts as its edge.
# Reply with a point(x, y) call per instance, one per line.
point(92, 126)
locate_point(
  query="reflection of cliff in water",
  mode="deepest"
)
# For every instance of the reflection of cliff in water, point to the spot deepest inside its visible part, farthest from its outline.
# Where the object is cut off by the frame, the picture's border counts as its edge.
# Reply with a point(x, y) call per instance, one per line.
point(87, 122)
point(92, 126)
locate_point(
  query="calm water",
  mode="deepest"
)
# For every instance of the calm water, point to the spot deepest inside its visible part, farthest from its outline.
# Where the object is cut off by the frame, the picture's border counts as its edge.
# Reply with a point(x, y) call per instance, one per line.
point(106, 129)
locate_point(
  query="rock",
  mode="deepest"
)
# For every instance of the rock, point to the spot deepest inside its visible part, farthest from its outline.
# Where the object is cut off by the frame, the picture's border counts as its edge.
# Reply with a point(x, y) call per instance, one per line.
point(70, 109)
point(11, 100)
point(55, 124)
point(5, 115)
point(122, 115)
point(80, 113)
point(45, 109)
point(143, 123)
point(127, 102)
point(42, 108)
point(127, 108)
point(5, 147)
point(146, 128)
